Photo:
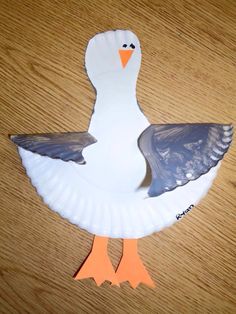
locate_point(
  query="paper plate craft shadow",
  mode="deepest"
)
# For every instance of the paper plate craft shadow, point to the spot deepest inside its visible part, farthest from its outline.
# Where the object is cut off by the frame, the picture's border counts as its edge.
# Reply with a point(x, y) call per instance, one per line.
point(95, 179)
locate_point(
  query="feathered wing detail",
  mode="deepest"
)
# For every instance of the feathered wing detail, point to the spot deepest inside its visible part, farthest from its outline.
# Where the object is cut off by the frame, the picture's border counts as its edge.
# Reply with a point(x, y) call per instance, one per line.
point(64, 146)
point(179, 153)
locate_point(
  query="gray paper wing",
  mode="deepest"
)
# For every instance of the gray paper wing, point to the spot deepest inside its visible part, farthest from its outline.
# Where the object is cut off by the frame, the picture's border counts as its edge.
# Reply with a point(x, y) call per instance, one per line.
point(64, 146)
point(178, 153)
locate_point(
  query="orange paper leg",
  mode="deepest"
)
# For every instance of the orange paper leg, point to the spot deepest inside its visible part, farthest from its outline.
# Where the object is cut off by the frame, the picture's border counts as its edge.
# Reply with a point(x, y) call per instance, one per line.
point(98, 265)
point(131, 267)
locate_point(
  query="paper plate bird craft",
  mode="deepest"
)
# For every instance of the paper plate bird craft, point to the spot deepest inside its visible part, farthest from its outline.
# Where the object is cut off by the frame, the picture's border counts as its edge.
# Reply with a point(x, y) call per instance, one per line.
point(96, 179)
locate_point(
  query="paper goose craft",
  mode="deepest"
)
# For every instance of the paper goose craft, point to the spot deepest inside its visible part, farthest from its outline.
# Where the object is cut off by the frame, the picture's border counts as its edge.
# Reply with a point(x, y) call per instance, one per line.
point(104, 190)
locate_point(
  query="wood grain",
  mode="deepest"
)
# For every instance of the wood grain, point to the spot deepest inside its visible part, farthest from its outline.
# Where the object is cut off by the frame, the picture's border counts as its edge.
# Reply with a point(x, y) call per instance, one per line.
point(187, 75)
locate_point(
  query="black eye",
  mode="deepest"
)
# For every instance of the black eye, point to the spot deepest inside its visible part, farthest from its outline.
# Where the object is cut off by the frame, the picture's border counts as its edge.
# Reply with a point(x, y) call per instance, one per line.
point(132, 46)
point(124, 46)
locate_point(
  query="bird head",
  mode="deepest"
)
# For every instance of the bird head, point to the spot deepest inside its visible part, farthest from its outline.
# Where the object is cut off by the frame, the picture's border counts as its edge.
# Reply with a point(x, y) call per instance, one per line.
point(113, 57)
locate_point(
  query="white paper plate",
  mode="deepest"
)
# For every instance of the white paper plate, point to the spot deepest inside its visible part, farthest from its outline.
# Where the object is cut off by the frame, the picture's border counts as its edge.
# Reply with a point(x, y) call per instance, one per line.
point(118, 215)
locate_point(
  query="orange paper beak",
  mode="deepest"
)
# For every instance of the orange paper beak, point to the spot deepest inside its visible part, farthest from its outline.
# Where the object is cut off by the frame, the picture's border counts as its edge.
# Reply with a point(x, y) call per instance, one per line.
point(125, 55)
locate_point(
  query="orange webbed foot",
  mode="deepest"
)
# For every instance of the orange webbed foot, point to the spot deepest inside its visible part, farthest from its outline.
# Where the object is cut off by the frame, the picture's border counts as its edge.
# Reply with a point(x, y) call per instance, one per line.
point(98, 265)
point(131, 267)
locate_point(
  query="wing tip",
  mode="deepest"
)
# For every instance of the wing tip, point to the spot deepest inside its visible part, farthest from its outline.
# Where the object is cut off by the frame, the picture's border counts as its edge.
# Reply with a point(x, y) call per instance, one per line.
point(16, 138)
point(13, 137)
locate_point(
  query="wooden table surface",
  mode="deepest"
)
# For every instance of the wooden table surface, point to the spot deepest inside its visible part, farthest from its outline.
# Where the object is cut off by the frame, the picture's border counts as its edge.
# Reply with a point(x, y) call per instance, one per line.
point(187, 75)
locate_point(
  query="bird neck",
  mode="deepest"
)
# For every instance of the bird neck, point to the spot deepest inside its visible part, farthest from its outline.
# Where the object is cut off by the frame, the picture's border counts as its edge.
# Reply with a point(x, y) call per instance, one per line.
point(116, 109)
point(116, 104)
point(115, 99)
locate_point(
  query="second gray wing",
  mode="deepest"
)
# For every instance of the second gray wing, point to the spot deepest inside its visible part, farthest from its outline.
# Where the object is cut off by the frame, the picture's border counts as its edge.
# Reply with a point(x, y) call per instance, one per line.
point(64, 146)
point(179, 153)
